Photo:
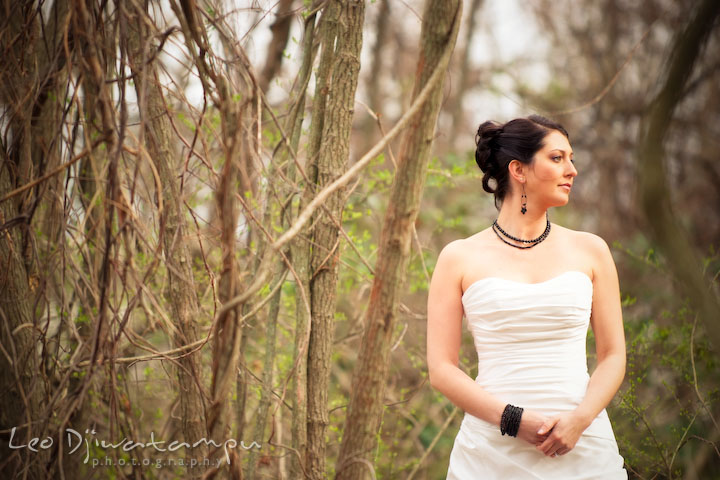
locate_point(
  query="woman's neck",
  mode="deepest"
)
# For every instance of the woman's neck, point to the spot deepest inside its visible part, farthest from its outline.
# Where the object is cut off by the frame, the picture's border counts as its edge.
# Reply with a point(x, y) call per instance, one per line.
point(526, 226)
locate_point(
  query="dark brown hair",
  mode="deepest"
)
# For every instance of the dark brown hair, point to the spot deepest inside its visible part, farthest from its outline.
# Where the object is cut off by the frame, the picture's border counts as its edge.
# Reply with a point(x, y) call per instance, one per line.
point(498, 145)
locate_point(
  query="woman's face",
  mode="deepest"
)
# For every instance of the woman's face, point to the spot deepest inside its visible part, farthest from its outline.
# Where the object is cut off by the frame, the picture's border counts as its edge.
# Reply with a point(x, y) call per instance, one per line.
point(552, 172)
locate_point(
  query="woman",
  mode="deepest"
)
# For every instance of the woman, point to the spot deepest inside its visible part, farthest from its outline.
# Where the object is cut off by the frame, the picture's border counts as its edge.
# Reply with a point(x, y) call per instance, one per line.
point(528, 289)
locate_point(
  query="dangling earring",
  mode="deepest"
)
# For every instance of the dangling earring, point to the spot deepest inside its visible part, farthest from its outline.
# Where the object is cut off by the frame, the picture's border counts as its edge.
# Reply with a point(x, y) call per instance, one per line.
point(523, 199)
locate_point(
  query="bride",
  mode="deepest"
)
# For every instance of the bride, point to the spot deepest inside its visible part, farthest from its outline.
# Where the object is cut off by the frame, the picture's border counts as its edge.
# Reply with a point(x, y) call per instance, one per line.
point(529, 289)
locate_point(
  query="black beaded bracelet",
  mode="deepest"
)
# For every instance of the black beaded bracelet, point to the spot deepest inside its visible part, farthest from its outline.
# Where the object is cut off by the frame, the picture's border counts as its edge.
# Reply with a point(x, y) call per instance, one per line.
point(510, 420)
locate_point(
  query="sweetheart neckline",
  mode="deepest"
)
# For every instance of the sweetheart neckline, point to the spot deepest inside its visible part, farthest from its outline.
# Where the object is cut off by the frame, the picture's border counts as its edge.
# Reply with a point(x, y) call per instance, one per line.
point(528, 283)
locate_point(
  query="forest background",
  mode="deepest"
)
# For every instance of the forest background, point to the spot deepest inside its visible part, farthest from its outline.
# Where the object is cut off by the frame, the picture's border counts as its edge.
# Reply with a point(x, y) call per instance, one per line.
point(218, 220)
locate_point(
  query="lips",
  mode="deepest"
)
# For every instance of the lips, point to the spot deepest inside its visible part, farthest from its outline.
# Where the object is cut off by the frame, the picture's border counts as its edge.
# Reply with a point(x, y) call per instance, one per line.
point(567, 185)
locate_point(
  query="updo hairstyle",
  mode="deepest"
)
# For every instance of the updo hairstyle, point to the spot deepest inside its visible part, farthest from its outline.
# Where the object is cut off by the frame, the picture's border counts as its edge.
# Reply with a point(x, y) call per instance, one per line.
point(498, 145)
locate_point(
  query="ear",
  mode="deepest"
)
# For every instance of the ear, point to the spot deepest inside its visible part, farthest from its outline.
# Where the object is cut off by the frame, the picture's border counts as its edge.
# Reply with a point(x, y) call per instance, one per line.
point(517, 170)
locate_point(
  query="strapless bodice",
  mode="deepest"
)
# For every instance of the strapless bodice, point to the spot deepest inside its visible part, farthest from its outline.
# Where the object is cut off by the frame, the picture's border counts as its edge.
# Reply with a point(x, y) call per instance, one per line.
point(530, 339)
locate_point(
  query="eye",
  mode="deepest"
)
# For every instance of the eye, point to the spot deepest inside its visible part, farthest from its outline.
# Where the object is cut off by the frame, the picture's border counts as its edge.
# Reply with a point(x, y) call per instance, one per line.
point(557, 158)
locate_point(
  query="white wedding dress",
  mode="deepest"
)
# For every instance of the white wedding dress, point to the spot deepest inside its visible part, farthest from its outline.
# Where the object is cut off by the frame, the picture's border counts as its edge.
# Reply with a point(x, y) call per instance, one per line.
point(530, 341)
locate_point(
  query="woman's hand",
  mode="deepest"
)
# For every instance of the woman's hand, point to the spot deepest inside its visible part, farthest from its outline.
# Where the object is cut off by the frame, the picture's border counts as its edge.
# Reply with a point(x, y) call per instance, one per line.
point(562, 433)
point(530, 423)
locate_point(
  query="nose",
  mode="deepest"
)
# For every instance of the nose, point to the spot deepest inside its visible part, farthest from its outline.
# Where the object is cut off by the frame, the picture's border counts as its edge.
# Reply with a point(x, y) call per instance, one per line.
point(572, 171)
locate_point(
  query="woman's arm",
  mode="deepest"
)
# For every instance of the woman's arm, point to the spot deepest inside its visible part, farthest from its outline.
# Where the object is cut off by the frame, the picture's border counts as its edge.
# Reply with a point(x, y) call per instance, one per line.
point(607, 325)
point(444, 333)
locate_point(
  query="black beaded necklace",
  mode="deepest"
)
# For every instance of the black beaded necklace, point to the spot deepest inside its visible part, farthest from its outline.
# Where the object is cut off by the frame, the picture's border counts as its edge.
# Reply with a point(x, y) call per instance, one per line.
point(500, 233)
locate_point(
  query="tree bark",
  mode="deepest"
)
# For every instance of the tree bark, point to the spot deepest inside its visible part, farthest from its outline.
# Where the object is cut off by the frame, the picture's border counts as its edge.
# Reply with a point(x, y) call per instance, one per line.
point(653, 186)
point(267, 383)
point(280, 34)
point(456, 110)
point(332, 162)
point(441, 20)
point(374, 77)
point(30, 69)
point(301, 249)
point(228, 330)
point(21, 391)
point(376, 66)
point(173, 227)
point(292, 129)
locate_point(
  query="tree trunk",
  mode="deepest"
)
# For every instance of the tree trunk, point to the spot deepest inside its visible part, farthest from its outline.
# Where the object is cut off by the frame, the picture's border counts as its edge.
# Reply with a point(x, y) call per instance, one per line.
point(457, 106)
point(267, 383)
point(280, 34)
point(332, 162)
point(228, 330)
point(228, 333)
point(374, 91)
point(301, 247)
point(21, 391)
point(292, 129)
point(173, 227)
point(653, 186)
point(30, 69)
point(441, 20)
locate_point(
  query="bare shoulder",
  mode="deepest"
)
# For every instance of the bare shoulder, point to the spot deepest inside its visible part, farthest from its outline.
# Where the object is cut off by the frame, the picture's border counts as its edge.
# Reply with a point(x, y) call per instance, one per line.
point(450, 257)
point(591, 246)
point(451, 250)
point(462, 246)
point(455, 255)
point(594, 243)
point(457, 250)
point(447, 276)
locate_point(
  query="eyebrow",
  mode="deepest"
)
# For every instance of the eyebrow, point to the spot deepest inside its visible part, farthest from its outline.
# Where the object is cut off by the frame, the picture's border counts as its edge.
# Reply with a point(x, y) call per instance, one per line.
point(560, 150)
